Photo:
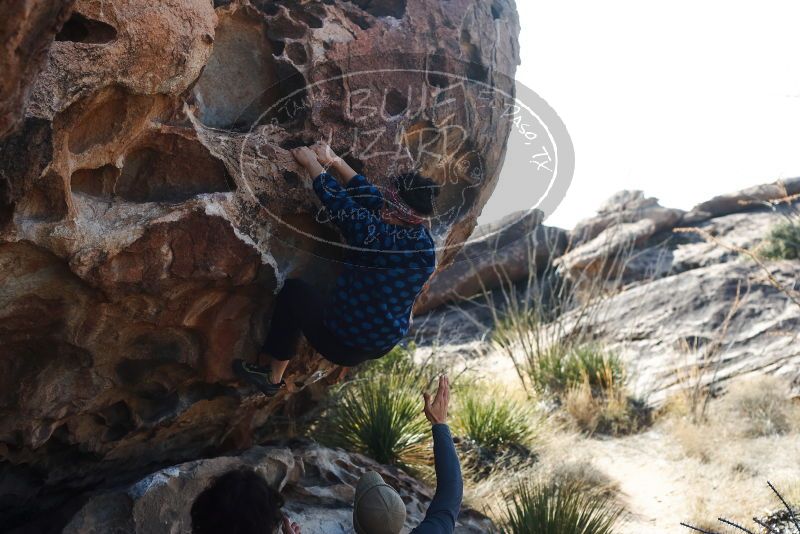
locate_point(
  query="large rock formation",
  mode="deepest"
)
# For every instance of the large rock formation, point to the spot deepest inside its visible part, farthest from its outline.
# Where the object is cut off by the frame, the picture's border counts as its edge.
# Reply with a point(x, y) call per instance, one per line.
point(318, 485)
point(149, 207)
point(683, 309)
point(506, 251)
point(27, 30)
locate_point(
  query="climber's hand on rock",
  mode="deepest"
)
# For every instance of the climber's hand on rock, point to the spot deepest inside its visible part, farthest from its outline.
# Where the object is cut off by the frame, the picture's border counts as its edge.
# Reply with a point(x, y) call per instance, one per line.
point(306, 157)
point(436, 410)
point(289, 527)
point(325, 154)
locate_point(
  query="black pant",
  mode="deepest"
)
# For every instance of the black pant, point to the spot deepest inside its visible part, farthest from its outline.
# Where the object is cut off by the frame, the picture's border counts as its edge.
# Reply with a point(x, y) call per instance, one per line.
point(299, 310)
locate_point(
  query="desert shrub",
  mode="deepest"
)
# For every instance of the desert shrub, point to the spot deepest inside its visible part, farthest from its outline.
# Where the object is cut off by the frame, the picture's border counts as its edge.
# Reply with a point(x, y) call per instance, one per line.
point(760, 407)
point(379, 412)
point(494, 431)
point(550, 508)
point(559, 368)
point(693, 439)
point(608, 411)
point(586, 474)
point(783, 241)
point(381, 417)
point(491, 419)
point(783, 520)
point(399, 361)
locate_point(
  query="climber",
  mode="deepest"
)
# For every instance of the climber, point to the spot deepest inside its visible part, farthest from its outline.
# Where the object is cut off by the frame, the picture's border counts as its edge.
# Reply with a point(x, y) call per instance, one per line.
point(379, 508)
point(240, 501)
point(389, 259)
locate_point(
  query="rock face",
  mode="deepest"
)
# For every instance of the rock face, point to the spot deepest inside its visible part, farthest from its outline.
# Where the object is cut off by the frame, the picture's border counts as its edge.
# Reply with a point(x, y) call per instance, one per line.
point(685, 311)
point(601, 246)
point(149, 207)
point(751, 198)
point(623, 208)
point(26, 33)
point(497, 253)
point(318, 485)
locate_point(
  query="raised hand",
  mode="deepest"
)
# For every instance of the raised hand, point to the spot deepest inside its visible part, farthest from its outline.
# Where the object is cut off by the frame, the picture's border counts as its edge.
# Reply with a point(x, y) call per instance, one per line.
point(289, 527)
point(436, 410)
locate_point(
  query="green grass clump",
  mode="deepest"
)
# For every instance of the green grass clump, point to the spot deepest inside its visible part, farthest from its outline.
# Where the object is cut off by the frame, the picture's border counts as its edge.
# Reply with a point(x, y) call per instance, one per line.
point(559, 368)
point(379, 412)
point(550, 508)
point(492, 420)
point(380, 416)
point(783, 241)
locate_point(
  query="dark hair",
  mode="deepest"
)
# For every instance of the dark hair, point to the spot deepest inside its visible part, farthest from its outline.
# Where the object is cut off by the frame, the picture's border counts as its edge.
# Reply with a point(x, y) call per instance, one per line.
point(238, 502)
point(418, 191)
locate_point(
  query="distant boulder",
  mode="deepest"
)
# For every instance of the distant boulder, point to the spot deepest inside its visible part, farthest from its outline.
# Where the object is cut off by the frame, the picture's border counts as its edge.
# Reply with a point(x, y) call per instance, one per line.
point(625, 207)
point(746, 199)
point(504, 251)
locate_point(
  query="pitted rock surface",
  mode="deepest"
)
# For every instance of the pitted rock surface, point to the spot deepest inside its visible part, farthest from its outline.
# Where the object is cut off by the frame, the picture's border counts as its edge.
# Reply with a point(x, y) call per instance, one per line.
point(149, 208)
point(317, 483)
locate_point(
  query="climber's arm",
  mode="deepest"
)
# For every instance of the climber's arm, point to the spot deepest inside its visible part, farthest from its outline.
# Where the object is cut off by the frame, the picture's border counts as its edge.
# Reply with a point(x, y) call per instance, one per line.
point(328, 159)
point(443, 511)
point(356, 184)
point(361, 227)
point(365, 193)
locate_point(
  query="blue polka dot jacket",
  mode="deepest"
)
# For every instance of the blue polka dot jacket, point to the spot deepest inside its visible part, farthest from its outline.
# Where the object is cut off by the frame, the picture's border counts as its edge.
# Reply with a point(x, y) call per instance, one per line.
point(385, 269)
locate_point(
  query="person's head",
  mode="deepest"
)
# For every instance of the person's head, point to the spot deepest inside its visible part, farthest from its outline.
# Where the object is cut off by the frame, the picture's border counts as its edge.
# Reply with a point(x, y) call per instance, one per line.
point(238, 502)
point(412, 196)
point(377, 508)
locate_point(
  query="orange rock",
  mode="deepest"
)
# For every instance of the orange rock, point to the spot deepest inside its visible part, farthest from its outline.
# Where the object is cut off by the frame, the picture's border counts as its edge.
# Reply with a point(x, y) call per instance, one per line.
point(149, 207)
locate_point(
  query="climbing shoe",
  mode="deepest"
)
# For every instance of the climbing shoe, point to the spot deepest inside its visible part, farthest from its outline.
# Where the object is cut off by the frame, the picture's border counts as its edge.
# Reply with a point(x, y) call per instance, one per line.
point(260, 377)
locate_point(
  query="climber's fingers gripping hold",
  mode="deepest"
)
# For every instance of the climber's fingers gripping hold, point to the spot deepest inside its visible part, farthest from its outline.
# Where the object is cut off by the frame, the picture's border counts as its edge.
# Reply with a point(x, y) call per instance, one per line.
point(325, 153)
point(308, 159)
point(304, 155)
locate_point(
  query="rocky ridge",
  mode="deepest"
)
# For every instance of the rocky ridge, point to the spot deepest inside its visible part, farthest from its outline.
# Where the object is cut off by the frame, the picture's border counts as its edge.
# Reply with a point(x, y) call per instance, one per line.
point(679, 306)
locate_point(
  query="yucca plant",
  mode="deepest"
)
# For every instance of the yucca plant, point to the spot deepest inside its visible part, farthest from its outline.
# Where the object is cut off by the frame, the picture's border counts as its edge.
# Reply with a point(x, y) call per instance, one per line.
point(551, 508)
point(783, 241)
point(380, 415)
point(492, 420)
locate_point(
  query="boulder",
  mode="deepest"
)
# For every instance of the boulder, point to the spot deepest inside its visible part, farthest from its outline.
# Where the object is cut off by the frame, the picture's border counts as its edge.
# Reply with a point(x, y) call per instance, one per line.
point(505, 251)
point(27, 30)
point(605, 247)
point(150, 209)
point(751, 198)
point(666, 314)
point(625, 207)
point(317, 483)
point(689, 328)
point(607, 253)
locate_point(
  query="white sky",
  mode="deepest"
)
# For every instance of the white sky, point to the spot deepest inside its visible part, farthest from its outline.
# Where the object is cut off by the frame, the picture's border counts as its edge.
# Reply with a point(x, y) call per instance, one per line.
point(683, 99)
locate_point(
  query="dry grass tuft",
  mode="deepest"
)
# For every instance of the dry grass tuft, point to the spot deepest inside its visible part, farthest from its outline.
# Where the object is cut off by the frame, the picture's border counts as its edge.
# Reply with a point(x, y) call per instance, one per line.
point(760, 407)
point(607, 409)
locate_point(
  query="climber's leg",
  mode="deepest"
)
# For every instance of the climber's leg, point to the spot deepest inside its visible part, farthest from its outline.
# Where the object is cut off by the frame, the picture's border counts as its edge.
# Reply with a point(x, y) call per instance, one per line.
point(299, 310)
point(295, 301)
point(296, 305)
point(278, 367)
